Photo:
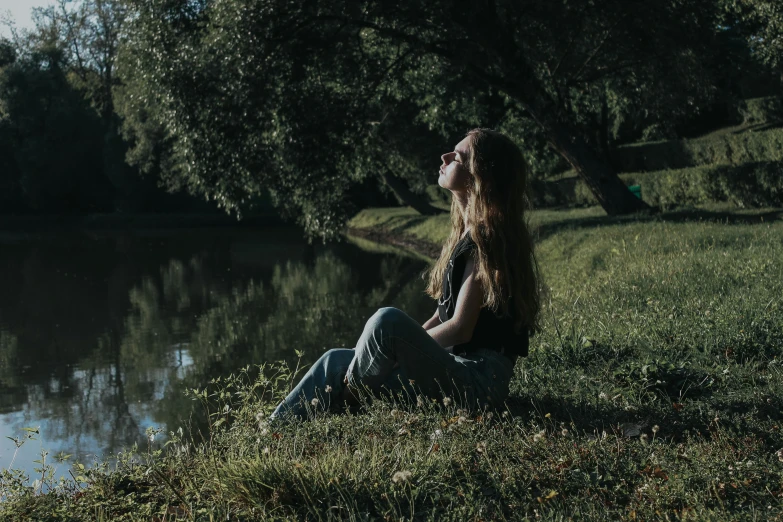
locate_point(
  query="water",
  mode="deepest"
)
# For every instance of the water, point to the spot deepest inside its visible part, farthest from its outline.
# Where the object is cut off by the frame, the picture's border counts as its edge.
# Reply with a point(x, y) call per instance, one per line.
point(101, 332)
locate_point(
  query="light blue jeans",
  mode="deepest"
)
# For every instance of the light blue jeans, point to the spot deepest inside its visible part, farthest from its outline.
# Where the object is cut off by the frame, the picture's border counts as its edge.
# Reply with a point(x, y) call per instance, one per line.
point(395, 356)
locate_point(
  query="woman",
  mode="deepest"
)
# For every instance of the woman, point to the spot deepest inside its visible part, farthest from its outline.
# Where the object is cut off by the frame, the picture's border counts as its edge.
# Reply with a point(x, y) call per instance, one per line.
point(486, 284)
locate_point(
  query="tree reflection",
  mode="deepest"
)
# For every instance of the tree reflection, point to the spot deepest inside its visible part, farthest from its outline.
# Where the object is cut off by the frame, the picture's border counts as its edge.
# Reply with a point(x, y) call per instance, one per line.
point(183, 326)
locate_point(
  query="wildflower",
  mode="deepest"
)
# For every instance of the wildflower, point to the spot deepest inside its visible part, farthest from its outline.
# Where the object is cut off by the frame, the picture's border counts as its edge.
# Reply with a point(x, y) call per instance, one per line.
point(655, 429)
point(447, 401)
point(603, 396)
point(263, 424)
point(481, 447)
point(420, 401)
point(541, 435)
point(394, 413)
point(779, 453)
point(564, 432)
point(401, 477)
point(436, 434)
point(506, 414)
point(328, 389)
point(151, 437)
point(462, 420)
point(314, 402)
point(643, 437)
point(265, 451)
point(489, 415)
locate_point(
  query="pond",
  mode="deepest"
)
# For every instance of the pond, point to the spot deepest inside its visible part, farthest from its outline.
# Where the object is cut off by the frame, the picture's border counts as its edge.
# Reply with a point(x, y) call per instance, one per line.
point(101, 332)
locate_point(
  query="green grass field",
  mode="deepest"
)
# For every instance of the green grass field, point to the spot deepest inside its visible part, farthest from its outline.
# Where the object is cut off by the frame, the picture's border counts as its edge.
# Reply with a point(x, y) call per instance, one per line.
point(653, 392)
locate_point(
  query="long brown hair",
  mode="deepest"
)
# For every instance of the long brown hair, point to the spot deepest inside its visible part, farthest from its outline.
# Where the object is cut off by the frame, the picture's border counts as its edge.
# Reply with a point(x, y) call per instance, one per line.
point(497, 208)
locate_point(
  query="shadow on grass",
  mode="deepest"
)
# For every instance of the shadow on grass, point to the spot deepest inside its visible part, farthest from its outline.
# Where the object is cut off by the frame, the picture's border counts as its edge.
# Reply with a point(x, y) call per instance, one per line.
point(677, 422)
point(683, 215)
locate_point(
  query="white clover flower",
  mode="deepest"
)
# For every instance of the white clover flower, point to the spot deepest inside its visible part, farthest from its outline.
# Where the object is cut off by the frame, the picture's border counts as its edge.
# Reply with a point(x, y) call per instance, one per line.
point(462, 420)
point(489, 415)
point(655, 429)
point(564, 432)
point(436, 434)
point(603, 396)
point(314, 402)
point(481, 447)
point(779, 453)
point(447, 401)
point(541, 435)
point(643, 437)
point(401, 477)
point(265, 451)
point(328, 389)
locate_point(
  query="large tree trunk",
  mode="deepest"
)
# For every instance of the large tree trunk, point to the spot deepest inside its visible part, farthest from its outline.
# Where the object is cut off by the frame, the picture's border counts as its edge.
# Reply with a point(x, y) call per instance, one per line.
point(606, 186)
point(406, 197)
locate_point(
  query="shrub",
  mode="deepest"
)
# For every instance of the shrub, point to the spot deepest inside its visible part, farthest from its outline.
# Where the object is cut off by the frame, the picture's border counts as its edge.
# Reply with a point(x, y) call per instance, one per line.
point(679, 154)
point(747, 185)
point(756, 184)
point(761, 110)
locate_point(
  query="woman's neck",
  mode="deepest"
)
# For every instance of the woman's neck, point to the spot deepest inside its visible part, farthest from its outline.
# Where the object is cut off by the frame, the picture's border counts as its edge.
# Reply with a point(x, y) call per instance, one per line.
point(462, 205)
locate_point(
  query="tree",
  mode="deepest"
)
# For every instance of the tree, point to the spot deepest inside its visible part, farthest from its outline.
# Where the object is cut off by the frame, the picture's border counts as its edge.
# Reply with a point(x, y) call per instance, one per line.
point(52, 136)
point(761, 23)
point(296, 97)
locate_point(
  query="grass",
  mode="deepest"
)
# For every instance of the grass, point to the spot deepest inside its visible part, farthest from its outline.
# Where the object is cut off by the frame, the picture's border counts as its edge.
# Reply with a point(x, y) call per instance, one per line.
point(653, 392)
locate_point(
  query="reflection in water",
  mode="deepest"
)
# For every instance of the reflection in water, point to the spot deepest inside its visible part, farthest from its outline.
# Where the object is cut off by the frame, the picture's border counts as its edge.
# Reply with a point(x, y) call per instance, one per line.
point(99, 338)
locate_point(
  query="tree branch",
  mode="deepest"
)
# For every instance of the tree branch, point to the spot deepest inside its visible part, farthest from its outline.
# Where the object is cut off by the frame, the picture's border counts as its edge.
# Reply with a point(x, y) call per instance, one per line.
point(598, 48)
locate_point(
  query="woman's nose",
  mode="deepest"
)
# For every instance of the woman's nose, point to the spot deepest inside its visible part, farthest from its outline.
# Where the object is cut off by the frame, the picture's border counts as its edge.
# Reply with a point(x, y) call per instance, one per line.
point(443, 158)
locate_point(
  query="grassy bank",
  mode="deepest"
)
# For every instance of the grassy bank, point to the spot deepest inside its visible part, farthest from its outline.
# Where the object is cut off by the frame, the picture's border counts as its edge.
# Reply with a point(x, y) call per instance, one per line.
point(653, 392)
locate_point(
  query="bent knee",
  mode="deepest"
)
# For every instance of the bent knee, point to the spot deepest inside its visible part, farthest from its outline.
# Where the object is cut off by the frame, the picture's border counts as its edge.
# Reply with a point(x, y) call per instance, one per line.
point(386, 317)
point(337, 358)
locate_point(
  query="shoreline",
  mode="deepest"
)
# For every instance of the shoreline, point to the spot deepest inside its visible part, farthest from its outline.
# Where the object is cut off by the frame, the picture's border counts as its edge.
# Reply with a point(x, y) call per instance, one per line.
point(381, 236)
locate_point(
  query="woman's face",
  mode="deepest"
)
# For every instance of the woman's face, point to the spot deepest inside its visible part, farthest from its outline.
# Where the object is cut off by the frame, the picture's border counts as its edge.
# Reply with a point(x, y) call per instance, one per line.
point(454, 174)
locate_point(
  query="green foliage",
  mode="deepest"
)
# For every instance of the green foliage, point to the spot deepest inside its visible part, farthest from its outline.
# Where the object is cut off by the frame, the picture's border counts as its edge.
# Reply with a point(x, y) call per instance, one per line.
point(742, 147)
point(43, 112)
point(761, 110)
point(229, 98)
point(761, 22)
point(745, 185)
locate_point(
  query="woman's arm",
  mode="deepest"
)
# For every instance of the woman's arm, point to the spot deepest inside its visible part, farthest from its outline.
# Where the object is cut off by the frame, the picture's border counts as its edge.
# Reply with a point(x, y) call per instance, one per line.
point(432, 321)
point(459, 329)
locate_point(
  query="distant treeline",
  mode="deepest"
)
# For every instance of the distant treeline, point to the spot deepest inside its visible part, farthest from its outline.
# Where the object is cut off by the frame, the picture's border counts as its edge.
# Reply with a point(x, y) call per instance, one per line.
point(115, 105)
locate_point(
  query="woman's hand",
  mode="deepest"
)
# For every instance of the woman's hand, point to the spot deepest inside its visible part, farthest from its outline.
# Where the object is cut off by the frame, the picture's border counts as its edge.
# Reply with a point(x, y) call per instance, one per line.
point(432, 321)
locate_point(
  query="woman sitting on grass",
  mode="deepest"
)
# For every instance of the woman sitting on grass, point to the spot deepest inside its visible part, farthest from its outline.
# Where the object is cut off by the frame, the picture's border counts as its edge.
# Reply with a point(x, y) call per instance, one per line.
point(486, 285)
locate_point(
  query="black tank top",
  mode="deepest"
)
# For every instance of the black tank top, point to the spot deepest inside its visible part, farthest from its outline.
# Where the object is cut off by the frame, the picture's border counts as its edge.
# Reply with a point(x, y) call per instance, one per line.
point(492, 331)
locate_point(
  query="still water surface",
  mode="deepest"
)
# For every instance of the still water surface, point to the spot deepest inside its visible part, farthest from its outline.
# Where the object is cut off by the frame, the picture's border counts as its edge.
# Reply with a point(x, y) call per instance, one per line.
point(100, 332)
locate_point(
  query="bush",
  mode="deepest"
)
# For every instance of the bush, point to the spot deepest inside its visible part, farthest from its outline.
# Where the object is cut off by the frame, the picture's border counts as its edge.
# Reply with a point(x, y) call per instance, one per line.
point(679, 154)
point(747, 185)
point(757, 184)
point(761, 110)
